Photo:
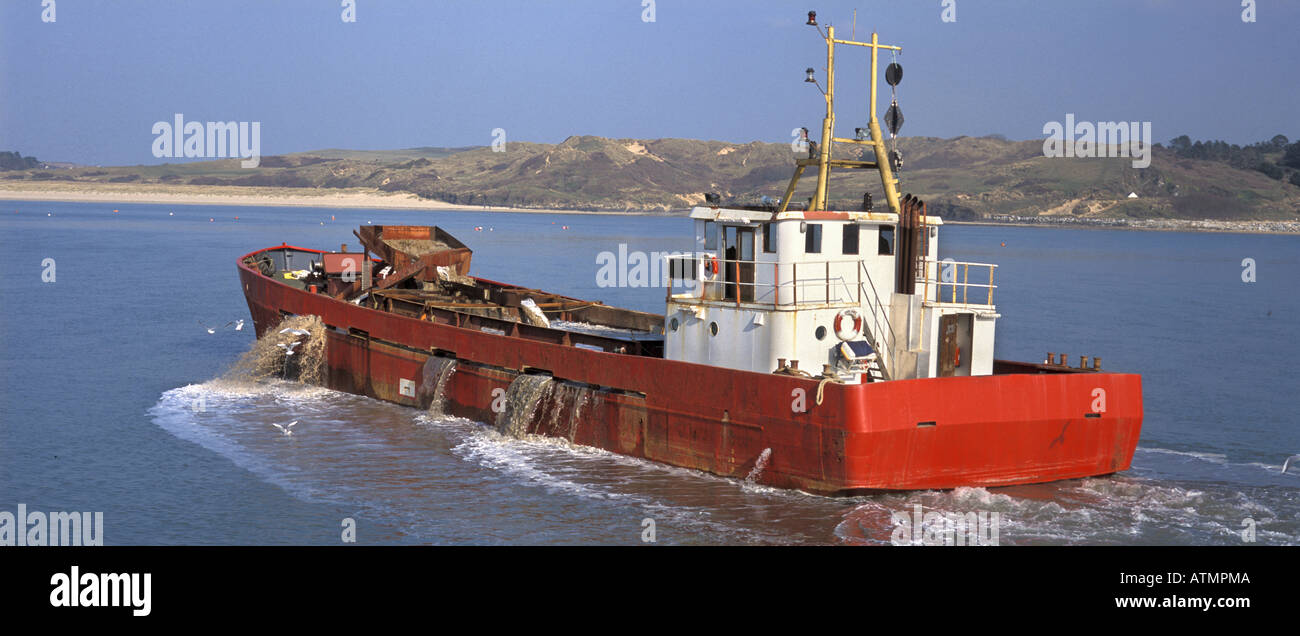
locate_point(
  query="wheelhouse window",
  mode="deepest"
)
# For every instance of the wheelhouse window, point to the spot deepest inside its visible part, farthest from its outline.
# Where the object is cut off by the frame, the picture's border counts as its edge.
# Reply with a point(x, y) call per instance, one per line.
point(769, 238)
point(886, 240)
point(710, 236)
point(851, 234)
point(812, 239)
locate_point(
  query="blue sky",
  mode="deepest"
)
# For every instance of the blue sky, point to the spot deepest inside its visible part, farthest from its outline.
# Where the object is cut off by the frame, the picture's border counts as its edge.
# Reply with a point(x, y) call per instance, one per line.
point(89, 87)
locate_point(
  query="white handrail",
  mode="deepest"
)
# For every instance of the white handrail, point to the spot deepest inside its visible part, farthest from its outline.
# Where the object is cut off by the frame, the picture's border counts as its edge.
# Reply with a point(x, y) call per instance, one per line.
point(927, 278)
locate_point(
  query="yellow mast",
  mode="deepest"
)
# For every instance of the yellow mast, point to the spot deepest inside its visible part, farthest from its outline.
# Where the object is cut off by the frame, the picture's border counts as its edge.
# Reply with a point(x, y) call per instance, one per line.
point(828, 125)
point(882, 154)
point(824, 160)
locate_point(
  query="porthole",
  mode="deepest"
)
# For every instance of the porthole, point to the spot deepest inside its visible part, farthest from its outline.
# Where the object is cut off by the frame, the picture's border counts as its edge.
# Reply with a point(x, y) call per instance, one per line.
point(713, 328)
point(821, 333)
point(673, 324)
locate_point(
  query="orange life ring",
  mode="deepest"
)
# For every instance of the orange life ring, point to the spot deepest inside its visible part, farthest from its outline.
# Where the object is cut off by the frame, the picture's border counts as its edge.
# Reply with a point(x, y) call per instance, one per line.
point(839, 325)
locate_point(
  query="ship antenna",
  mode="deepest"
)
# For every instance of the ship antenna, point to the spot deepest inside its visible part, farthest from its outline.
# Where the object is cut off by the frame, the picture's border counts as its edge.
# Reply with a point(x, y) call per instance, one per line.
point(822, 157)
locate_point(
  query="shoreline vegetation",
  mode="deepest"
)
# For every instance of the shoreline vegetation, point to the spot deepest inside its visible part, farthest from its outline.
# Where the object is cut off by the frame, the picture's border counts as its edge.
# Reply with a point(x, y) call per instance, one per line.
point(365, 198)
point(1188, 186)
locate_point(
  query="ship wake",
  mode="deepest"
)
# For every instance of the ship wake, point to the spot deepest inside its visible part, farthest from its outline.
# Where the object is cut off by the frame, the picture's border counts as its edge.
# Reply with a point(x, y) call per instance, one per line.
point(1118, 510)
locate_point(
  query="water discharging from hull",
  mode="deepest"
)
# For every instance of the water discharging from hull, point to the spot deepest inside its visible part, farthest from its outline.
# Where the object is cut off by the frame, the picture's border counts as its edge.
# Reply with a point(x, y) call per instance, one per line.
point(525, 393)
point(542, 405)
point(441, 370)
point(759, 465)
point(270, 356)
point(565, 403)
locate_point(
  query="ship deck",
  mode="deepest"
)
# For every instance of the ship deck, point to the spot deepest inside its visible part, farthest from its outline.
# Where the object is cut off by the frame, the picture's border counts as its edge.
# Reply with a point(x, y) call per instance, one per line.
point(478, 303)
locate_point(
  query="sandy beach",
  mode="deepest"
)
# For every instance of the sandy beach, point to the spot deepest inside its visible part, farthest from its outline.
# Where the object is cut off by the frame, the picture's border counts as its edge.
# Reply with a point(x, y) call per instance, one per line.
point(376, 199)
point(249, 196)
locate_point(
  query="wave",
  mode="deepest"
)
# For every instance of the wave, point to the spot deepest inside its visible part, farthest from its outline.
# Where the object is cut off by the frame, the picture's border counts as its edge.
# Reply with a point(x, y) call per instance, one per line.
point(439, 479)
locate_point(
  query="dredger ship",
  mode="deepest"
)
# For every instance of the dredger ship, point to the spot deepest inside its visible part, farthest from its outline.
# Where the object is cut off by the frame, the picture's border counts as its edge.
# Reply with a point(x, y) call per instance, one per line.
point(812, 349)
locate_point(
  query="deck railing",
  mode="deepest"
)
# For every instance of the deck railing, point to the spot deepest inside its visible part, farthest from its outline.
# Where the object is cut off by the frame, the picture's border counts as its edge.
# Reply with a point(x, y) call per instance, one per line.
point(951, 282)
point(781, 286)
point(830, 284)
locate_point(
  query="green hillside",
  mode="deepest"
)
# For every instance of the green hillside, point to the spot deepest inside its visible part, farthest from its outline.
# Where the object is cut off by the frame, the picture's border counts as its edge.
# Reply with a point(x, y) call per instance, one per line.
point(964, 178)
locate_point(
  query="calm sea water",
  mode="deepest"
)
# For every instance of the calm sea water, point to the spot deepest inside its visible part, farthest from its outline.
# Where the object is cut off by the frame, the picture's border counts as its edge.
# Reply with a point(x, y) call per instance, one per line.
point(102, 369)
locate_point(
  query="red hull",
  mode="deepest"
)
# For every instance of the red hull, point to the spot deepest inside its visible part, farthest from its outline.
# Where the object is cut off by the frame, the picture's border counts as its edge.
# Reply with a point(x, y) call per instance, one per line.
point(900, 435)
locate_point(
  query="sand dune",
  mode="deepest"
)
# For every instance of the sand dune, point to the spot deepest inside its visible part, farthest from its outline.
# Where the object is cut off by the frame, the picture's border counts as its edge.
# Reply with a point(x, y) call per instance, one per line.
point(238, 195)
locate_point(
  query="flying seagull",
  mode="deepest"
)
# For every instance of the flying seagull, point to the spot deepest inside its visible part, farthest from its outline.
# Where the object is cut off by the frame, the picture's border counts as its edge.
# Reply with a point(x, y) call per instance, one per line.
point(210, 329)
point(296, 332)
point(1286, 464)
point(288, 348)
point(287, 429)
point(239, 325)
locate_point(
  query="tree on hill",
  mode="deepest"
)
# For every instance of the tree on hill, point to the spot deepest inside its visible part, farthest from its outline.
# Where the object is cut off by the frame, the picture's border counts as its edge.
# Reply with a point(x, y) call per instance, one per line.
point(1256, 156)
point(1271, 169)
point(15, 161)
point(1292, 157)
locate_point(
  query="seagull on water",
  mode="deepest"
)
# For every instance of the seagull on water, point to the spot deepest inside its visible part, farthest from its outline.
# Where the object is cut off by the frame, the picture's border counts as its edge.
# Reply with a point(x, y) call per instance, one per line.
point(286, 429)
point(1287, 464)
